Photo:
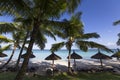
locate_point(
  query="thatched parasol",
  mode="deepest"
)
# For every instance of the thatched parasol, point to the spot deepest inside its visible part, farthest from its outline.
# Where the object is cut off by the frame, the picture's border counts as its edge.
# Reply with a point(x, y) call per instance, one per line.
point(100, 56)
point(75, 56)
point(31, 56)
point(3, 55)
point(53, 57)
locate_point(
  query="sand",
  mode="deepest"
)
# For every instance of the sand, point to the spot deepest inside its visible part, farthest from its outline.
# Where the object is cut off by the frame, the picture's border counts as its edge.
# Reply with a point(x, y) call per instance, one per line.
point(42, 65)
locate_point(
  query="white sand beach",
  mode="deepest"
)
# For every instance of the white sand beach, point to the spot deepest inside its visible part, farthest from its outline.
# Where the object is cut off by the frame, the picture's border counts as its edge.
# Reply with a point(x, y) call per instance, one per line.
point(62, 64)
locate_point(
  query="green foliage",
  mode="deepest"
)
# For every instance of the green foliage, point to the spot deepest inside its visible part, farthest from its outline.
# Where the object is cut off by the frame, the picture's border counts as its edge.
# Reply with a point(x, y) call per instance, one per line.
point(4, 39)
point(57, 46)
point(40, 40)
point(84, 45)
point(64, 76)
point(5, 48)
point(32, 7)
point(72, 28)
point(47, 30)
point(116, 22)
point(39, 12)
point(72, 5)
point(7, 27)
point(88, 35)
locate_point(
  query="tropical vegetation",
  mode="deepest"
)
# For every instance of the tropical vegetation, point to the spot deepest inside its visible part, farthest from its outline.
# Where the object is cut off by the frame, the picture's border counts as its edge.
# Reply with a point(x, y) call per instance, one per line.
point(37, 19)
point(40, 13)
point(74, 34)
point(64, 76)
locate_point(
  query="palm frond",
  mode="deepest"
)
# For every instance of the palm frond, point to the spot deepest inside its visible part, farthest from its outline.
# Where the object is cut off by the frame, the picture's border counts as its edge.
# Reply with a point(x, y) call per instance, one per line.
point(118, 42)
point(5, 48)
point(15, 7)
point(57, 46)
point(47, 30)
point(7, 27)
point(26, 21)
point(88, 36)
point(60, 25)
point(72, 5)
point(59, 34)
point(116, 22)
point(84, 45)
point(50, 34)
point(65, 27)
point(47, 8)
point(40, 40)
point(18, 35)
point(5, 39)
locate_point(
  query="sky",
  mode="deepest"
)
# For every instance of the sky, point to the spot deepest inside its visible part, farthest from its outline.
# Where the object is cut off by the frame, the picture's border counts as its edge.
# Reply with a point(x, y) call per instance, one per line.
point(98, 16)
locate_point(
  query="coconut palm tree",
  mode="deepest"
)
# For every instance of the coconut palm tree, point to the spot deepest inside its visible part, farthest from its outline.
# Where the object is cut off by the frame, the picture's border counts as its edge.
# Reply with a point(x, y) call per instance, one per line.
point(75, 35)
point(21, 50)
point(26, 30)
point(42, 30)
point(81, 43)
point(18, 33)
point(18, 37)
point(40, 12)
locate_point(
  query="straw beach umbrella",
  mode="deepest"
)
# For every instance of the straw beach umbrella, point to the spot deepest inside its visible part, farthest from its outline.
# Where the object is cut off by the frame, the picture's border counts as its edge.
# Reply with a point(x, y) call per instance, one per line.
point(53, 57)
point(3, 55)
point(100, 56)
point(31, 56)
point(74, 56)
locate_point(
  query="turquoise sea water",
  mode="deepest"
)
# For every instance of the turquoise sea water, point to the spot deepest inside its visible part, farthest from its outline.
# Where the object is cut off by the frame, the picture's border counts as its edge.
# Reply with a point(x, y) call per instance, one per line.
point(42, 54)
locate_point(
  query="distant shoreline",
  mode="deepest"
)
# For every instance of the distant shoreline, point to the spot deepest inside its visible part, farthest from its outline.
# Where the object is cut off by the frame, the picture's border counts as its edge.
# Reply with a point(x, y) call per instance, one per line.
point(42, 54)
point(64, 49)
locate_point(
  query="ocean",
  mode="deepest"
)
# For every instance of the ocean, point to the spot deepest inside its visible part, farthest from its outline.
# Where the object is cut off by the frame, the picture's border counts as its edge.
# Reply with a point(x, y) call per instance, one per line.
point(42, 54)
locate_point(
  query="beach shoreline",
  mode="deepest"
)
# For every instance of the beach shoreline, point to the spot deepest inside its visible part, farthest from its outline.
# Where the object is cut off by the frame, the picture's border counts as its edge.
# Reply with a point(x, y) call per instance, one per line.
point(62, 64)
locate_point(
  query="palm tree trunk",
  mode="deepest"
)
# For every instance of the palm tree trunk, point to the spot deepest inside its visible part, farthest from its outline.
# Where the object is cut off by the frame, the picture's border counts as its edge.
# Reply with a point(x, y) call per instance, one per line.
point(101, 62)
point(53, 66)
point(10, 57)
point(74, 63)
point(22, 71)
point(69, 57)
point(19, 57)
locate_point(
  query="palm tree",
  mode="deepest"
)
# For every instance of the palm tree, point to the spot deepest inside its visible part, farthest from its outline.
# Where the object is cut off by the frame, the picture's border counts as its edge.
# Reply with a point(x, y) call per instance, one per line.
point(21, 50)
point(26, 30)
point(17, 39)
point(81, 43)
point(75, 35)
point(40, 12)
point(18, 33)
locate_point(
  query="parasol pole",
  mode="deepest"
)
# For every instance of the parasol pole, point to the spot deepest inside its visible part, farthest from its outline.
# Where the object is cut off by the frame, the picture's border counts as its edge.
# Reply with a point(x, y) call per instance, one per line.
point(53, 66)
point(101, 62)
